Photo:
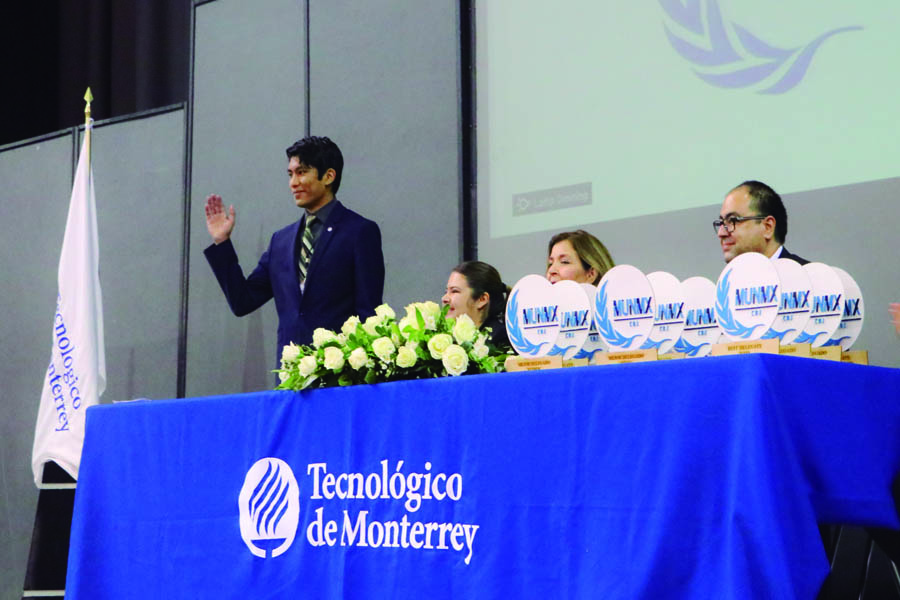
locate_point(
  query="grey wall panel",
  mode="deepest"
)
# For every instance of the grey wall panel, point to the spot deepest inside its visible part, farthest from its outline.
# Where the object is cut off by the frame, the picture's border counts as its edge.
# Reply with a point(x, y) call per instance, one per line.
point(384, 85)
point(34, 202)
point(139, 187)
point(138, 182)
point(249, 105)
point(851, 227)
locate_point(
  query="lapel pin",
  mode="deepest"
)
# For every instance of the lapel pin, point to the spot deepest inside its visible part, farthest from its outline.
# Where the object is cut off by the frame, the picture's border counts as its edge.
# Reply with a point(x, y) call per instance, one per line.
point(329, 229)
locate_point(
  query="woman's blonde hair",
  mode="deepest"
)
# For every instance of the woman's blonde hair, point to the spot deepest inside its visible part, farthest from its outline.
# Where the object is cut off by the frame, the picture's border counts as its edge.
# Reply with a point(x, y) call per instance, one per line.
point(589, 249)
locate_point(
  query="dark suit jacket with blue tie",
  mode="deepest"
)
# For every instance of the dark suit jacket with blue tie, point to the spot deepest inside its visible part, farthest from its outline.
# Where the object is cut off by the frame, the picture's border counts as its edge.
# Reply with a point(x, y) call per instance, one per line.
point(345, 276)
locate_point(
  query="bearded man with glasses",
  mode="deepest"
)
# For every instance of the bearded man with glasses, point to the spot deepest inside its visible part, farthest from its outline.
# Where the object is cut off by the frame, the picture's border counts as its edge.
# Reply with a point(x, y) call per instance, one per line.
point(753, 219)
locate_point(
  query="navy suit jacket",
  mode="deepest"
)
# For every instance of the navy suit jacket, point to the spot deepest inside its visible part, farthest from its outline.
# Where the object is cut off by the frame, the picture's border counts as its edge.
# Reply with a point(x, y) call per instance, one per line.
point(794, 257)
point(345, 276)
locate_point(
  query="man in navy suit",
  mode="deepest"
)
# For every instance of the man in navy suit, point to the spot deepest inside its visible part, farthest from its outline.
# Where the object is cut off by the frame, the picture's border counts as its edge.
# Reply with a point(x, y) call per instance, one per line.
point(753, 219)
point(321, 269)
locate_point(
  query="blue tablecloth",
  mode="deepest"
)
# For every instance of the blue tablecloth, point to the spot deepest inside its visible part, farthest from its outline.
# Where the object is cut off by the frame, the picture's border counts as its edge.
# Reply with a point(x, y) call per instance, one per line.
point(696, 478)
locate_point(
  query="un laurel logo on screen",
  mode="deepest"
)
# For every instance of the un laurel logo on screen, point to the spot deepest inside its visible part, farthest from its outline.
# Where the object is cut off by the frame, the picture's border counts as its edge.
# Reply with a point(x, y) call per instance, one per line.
point(728, 55)
point(269, 505)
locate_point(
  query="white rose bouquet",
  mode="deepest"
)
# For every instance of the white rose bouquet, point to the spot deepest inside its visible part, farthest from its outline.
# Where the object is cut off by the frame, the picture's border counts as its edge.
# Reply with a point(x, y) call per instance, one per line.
point(424, 343)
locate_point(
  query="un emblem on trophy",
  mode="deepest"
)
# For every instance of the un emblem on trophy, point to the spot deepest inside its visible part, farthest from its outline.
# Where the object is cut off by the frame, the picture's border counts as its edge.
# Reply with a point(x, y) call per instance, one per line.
point(624, 308)
point(701, 329)
point(532, 317)
point(747, 297)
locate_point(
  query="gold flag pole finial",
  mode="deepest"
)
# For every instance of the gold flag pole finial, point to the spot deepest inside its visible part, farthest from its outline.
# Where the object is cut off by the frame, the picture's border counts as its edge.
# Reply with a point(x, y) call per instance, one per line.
point(88, 97)
point(87, 122)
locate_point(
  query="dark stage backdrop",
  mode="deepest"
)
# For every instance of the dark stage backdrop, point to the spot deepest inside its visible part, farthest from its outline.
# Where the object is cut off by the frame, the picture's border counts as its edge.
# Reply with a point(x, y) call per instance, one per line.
point(134, 55)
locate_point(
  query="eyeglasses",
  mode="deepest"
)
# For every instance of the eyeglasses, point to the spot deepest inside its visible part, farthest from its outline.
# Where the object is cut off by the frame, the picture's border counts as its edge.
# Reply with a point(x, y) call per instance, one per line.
point(731, 221)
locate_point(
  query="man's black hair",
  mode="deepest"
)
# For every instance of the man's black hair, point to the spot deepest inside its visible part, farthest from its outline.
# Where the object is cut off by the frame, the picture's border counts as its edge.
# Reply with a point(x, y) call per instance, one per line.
point(320, 153)
point(766, 202)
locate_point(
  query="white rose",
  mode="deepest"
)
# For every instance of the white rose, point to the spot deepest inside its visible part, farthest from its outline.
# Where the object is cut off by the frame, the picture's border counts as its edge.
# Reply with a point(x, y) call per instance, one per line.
point(430, 323)
point(480, 349)
point(334, 358)
point(349, 326)
point(406, 357)
point(455, 360)
point(464, 329)
point(385, 312)
point(426, 309)
point(438, 343)
point(307, 365)
point(290, 353)
point(357, 358)
point(383, 348)
point(403, 324)
point(371, 323)
point(432, 309)
point(411, 311)
point(322, 336)
point(282, 375)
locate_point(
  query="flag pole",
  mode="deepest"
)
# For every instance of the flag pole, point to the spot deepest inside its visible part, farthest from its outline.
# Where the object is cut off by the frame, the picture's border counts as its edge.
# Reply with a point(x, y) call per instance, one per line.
point(87, 122)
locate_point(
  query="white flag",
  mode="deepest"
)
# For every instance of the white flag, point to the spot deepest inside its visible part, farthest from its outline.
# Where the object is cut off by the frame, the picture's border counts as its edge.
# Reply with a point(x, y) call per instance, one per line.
point(76, 376)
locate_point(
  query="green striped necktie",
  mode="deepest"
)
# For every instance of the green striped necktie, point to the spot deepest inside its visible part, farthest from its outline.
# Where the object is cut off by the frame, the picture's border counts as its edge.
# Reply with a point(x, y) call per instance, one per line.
point(306, 248)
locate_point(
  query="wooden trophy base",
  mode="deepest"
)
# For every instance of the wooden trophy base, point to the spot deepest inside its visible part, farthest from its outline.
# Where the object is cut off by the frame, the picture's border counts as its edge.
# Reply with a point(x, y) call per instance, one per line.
point(575, 362)
point(749, 347)
point(515, 364)
point(827, 353)
point(857, 357)
point(803, 350)
point(627, 356)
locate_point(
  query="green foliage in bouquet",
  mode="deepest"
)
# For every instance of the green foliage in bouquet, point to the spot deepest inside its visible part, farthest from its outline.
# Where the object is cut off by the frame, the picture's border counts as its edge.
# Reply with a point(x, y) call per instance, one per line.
point(422, 344)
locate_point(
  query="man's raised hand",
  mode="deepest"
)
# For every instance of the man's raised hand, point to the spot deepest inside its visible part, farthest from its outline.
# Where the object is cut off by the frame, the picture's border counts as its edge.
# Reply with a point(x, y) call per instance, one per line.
point(219, 222)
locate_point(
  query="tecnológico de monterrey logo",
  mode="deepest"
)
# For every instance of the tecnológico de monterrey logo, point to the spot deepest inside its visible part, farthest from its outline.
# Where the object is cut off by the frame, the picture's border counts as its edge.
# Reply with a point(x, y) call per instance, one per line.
point(269, 505)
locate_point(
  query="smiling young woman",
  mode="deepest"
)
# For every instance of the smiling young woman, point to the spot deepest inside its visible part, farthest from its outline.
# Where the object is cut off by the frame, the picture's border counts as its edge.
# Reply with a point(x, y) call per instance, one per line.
point(475, 288)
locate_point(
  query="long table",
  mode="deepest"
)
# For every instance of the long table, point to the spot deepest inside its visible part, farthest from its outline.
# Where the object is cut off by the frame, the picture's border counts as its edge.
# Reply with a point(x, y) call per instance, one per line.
point(701, 478)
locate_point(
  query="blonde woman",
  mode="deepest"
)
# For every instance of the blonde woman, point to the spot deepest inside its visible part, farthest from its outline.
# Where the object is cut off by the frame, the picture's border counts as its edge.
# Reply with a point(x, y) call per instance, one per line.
point(577, 256)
